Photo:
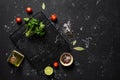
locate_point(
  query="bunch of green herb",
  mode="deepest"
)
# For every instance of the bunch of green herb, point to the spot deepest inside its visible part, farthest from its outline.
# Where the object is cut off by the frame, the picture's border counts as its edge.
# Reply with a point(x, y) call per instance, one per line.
point(34, 27)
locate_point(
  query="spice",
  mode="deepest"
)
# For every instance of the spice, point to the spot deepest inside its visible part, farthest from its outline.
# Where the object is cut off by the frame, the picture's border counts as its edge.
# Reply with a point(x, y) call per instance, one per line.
point(67, 29)
point(66, 59)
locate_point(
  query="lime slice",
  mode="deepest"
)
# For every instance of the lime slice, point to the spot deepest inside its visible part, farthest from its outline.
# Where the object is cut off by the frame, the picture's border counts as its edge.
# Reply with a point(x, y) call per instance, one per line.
point(48, 70)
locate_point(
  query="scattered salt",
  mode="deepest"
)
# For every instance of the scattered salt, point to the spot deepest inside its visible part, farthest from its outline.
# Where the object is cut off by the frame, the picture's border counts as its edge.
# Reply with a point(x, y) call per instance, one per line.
point(15, 6)
point(11, 72)
point(87, 41)
point(77, 63)
point(73, 4)
point(27, 74)
point(78, 70)
point(95, 27)
point(56, 38)
point(89, 62)
point(87, 17)
point(6, 28)
point(98, 1)
point(78, 34)
point(101, 67)
point(67, 27)
point(59, 75)
point(77, 17)
point(65, 75)
point(81, 28)
point(6, 54)
point(102, 75)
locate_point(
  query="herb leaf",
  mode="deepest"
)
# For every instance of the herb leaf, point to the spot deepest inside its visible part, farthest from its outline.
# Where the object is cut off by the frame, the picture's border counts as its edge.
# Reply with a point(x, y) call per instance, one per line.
point(33, 26)
point(78, 48)
point(74, 42)
point(26, 19)
point(43, 6)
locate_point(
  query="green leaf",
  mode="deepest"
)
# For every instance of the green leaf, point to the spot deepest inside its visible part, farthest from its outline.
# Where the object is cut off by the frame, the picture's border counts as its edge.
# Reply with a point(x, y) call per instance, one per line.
point(74, 42)
point(43, 6)
point(26, 19)
point(37, 33)
point(78, 48)
point(42, 26)
point(42, 33)
point(29, 33)
point(34, 27)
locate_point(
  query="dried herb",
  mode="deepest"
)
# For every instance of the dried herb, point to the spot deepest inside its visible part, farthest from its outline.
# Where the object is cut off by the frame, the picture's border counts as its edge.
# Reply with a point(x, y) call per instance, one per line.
point(78, 48)
point(43, 6)
point(74, 42)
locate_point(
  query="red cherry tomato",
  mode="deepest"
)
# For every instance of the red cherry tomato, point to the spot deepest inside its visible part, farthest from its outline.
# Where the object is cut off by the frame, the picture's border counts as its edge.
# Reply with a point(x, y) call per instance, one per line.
point(29, 10)
point(18, 20)
point(53, 17)
point(55, 64)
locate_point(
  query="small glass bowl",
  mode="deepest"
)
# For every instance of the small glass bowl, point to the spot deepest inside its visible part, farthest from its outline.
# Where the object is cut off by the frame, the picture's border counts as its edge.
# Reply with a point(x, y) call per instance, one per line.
point(15, 58)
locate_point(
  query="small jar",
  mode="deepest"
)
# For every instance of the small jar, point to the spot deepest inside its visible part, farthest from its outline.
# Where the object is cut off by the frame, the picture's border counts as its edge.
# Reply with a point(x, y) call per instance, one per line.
point(66, 59)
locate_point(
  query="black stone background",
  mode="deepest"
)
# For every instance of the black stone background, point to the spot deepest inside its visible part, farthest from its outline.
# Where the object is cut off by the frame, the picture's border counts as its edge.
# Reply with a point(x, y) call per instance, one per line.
point(100, 36)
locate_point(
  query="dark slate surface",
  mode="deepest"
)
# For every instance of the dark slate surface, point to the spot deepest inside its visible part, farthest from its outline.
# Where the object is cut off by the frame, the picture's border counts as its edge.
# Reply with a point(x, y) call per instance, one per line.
point(40, 51)
point(96, 27)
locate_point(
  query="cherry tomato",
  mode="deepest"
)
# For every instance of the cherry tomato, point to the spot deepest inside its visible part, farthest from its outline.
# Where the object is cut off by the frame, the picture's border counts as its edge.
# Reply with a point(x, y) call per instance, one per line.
point(18, 20)
point(55, 64)
point(53, 17)
point(29, 10)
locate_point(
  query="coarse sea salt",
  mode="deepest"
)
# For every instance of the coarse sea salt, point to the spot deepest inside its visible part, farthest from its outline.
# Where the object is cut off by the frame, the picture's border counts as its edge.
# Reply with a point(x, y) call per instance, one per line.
point(67, 27)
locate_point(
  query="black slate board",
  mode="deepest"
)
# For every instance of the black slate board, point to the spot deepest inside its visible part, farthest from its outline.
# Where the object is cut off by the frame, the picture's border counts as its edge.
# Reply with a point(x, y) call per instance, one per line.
point(41, 51)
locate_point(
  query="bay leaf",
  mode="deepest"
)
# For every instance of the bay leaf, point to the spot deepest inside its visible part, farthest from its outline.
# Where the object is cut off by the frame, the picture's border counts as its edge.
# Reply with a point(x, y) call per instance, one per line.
point(78, 48)
point(74, 42)
point(43, 6)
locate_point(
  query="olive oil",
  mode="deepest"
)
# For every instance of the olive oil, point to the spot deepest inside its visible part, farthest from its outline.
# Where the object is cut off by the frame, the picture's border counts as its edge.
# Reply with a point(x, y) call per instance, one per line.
point(15, 58)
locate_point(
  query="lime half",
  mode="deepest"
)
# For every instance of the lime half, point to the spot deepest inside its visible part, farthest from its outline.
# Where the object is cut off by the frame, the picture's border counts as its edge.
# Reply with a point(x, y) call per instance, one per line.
point(48, 70)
